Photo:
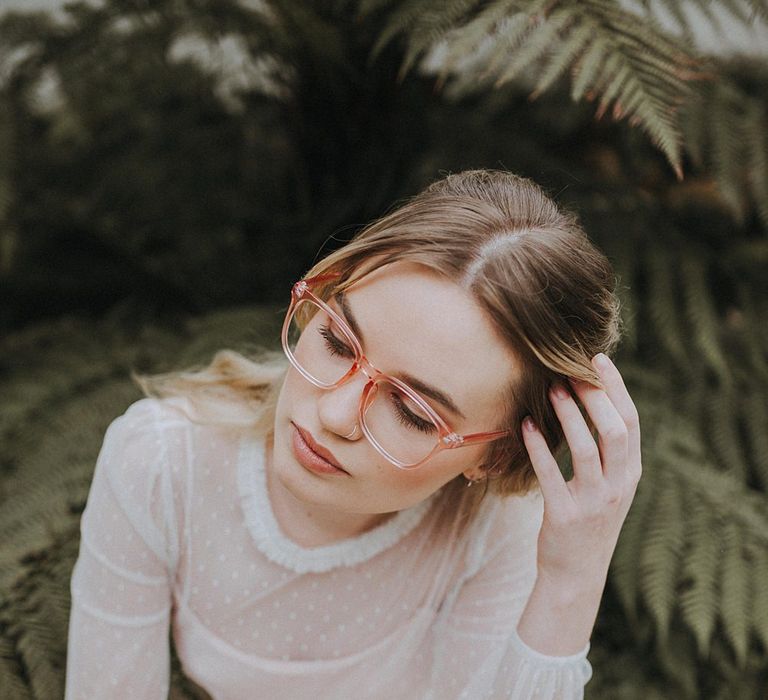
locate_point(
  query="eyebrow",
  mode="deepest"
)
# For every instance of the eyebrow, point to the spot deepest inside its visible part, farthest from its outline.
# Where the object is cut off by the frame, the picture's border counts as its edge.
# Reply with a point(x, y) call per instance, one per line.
point(410, 380)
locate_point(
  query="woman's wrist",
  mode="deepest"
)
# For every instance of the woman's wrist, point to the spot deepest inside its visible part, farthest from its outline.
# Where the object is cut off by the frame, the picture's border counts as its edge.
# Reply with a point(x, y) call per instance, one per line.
point(559, 616)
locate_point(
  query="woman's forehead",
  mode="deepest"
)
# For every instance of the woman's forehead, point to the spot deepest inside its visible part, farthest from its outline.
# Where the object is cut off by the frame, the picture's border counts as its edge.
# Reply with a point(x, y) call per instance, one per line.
point(416, 321)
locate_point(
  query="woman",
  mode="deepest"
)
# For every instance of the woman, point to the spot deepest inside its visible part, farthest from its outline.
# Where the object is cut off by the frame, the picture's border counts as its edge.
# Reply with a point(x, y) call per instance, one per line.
point(387, 518)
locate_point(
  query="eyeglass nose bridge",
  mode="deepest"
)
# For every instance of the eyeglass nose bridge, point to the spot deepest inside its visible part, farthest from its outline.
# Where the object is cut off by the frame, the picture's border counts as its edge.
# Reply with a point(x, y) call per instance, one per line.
point(364, 366)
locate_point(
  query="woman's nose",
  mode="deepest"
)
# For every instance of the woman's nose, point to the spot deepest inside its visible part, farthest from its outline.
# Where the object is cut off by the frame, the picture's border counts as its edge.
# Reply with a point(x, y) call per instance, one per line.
point(338, 409)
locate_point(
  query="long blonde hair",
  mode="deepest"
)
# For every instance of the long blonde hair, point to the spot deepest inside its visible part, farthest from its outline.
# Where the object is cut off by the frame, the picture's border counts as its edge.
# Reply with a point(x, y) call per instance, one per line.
point(548, 290)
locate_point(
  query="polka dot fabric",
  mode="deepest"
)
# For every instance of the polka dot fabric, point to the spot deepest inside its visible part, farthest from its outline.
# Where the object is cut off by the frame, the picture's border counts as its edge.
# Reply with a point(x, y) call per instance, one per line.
point(178, 530)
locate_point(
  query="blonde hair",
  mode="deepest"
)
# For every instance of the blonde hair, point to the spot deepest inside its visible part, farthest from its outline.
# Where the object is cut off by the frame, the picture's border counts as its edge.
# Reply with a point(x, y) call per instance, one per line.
point(547, 289)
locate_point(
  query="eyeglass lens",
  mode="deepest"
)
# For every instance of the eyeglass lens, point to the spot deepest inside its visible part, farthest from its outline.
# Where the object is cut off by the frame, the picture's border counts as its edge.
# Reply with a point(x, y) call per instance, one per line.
point(324, 350)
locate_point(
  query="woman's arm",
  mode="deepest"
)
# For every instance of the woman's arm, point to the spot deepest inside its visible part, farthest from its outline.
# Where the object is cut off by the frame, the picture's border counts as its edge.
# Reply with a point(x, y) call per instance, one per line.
point(519, 626)
point(583, 517)
point(121, 583)
point(477, 650)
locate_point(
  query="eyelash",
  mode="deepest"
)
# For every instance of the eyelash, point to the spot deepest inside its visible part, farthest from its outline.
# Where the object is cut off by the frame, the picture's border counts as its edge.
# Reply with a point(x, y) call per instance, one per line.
point(408, 419)
point(334, 344)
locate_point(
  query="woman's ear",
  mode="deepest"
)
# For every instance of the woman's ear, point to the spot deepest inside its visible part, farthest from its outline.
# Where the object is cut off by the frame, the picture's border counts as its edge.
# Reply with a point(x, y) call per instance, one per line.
point(474, 474)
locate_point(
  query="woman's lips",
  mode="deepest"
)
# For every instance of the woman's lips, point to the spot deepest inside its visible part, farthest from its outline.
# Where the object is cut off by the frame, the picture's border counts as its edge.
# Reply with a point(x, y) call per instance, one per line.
point(312, 455)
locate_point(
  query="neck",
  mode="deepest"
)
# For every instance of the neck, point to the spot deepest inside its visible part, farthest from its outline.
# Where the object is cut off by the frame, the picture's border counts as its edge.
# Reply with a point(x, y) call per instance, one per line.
point(311, 525)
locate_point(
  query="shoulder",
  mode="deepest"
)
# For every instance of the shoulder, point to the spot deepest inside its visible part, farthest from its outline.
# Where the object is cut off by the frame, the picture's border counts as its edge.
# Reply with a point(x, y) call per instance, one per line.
point(137, 483)
point(155, 422)
point(152, 413)
point(147, 439)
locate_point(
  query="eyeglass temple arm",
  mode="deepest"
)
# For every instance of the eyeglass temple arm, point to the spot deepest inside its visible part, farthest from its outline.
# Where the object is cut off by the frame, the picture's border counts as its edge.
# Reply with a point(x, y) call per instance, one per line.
point(325, 277)
point(475, 438)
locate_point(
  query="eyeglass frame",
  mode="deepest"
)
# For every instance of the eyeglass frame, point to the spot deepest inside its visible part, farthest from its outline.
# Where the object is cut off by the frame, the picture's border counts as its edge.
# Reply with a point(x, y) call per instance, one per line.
point(447, 438)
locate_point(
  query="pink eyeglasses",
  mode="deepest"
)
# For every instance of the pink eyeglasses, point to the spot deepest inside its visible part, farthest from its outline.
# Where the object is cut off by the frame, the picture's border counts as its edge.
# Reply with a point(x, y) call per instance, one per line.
point(395, 418)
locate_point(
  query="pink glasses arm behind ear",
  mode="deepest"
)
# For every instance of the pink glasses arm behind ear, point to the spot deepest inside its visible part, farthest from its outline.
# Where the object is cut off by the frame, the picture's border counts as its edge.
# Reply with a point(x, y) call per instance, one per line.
point(475, 438)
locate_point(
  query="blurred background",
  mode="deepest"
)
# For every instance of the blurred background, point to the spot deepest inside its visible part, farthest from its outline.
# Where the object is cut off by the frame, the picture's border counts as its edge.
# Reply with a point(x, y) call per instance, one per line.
point(169, 167)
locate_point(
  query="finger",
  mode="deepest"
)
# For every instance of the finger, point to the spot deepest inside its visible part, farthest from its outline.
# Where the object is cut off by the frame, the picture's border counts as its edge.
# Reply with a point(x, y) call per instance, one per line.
point(612, 433)
point(584, 452)
point(622, 401)
point(551, 482)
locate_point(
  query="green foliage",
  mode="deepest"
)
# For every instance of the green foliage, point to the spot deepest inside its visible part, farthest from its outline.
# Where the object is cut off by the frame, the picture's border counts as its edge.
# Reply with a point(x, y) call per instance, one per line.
point(627, 65)
point(623, 62)
point(169, 192)
point(63, 383)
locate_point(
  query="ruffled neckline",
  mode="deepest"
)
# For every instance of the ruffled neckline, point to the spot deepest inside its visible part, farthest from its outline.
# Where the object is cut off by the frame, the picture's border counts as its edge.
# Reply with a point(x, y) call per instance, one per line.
point(278, 548)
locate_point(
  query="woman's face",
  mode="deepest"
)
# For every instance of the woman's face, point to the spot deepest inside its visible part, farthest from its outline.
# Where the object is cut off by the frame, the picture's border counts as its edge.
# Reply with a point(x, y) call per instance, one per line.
point(411, 322)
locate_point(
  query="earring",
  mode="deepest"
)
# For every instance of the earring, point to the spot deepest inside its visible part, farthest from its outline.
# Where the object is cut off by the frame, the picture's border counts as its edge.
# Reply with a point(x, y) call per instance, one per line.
point(471, 481)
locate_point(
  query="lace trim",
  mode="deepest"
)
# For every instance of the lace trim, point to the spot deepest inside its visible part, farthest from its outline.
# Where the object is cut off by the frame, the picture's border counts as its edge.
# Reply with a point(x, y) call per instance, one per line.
point(270, 540)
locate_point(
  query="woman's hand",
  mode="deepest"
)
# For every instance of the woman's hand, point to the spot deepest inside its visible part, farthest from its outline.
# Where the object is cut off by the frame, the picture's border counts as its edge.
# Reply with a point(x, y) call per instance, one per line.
point(583, 517)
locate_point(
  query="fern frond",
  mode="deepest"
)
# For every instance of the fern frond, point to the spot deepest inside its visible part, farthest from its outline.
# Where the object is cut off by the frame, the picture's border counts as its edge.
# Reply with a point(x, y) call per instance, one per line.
point(722, 433)
point(624, 563)
point(677, 658)
point(755, 416)
point(424, 22)
point(539, 41)
point(560, 61)
point(437, 18)
point(675, 10)
point(735, 599)
point(752, 331)
point(660, 553)
point(623, 61)
point(743, 11)
point(698, 600)
point(700, 312)
point(728, 147)
point(662, 302)
point(725, 130)
point(759, 610)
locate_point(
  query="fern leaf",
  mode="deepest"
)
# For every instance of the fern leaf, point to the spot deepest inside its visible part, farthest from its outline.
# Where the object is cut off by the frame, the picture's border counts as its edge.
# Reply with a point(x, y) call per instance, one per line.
point(572, 46)
point(677, 658)
point(722, 432)
point(662, 301)
point(432, 23)
point(755, 416)
point(698, 601)
point(735, 599)
point(759, 612)
point(493, 23)
point(624, 576)
point(622, 60)
point(728, 147)
point(675, 10)
point(701, 314)
point(754, 336)
point(424, 22)
point(660, 553)
point(538, 42)
point(587, 67)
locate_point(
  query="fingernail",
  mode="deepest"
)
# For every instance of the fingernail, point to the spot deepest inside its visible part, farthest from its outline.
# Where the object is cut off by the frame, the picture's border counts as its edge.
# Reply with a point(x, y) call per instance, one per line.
point(560, 392)
point(528, 424)
point(602, 361)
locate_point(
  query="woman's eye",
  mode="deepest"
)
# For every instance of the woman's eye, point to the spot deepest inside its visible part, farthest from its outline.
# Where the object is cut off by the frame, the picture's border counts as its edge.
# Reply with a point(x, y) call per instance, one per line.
point(408, 418)
point(334, 344)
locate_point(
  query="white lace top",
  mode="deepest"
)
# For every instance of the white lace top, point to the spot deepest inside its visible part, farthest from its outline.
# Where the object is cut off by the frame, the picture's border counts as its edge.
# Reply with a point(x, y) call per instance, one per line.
point(178, 531)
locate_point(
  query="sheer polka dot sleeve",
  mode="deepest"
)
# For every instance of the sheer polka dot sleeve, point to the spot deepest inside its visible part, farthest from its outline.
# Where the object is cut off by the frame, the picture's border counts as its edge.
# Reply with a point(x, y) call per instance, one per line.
point(121, 583)
point(478, 653)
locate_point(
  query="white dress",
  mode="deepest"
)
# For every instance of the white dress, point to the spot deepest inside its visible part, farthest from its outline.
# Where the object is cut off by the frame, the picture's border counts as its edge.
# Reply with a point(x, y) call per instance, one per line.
point(178, 531)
